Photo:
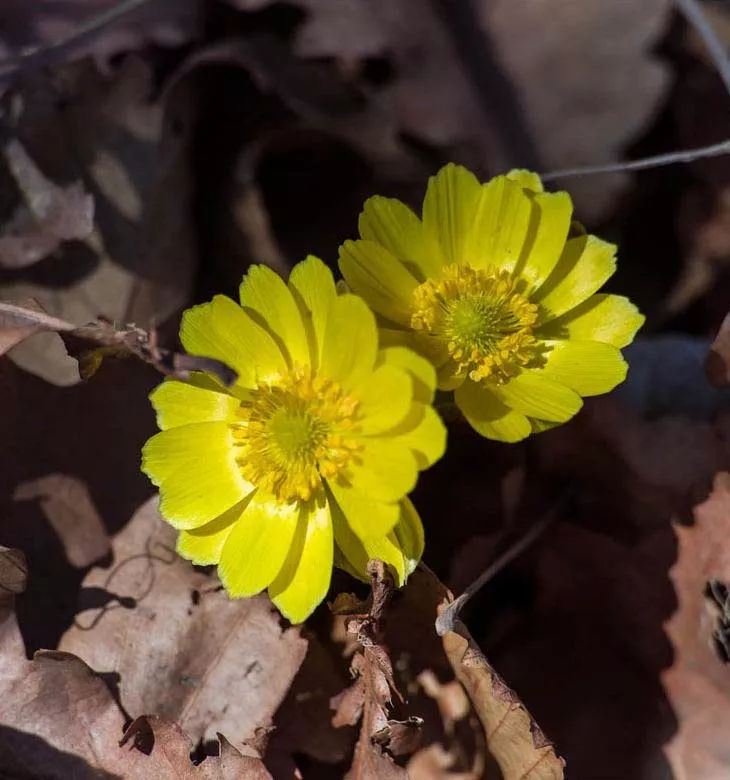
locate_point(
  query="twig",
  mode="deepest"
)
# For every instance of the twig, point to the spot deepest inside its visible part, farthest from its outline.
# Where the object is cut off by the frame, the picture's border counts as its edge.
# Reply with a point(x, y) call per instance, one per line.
point(716, 48)
point(38, 54)
point(446, 621)
point(682, 156)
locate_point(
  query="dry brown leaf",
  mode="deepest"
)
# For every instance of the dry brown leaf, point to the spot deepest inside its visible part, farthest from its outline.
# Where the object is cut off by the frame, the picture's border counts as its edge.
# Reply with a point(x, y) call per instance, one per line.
point(369, 697)
point(582, 72)
point(69, 508)
point(698, 682)
point(48, 216)
point(59, 719)
point(586, 78)
point(182, 648)
point(131, 153)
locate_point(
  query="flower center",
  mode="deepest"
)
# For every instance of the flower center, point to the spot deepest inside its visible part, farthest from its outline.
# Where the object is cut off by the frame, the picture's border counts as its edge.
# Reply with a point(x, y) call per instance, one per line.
point(294, 431)
point(483, 319)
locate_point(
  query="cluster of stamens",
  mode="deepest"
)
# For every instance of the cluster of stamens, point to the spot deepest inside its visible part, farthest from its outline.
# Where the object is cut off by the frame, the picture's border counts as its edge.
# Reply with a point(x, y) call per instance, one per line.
point(293, 432)
point(483, 318)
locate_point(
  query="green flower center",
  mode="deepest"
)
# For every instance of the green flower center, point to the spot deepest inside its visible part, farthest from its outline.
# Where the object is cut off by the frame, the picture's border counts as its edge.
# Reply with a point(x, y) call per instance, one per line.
point(482, 318)
point(294, 432)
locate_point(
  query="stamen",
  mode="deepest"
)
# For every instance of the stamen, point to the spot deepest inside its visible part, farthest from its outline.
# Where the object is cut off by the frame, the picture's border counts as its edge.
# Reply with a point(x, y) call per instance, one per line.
point(482, 317)
point(293, 432)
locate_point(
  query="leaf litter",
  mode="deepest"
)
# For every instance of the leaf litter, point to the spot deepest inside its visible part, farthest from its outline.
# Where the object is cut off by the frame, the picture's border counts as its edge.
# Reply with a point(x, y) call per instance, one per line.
point(611, 633)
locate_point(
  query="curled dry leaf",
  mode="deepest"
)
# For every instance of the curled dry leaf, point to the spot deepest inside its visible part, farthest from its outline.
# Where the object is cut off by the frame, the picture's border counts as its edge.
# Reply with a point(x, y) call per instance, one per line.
point(698, 682)
point(369, 697)
point(181, 647)
point(49, 215)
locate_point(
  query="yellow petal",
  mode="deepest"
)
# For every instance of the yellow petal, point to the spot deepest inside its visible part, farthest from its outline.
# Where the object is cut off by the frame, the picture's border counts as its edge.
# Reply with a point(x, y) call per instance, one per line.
point(501, 222)
point(546, 237)
point(588, 367)
point(489, 416)
point(448, 376)
point(392, 224)
point(203, 545)
point(357, 550)
point(385, 469)
point(540, 426)
point(421, 371)
point(609, 318)
point(257, 546)
point(366, 516)
point(526, 179)
point(585, 265)
point(222, 330)
point(350, 341)
point(423, 432)
point(384, 399)
point(305, 577)
point(409, 533)
point(264, 294)
point(537, 396)
point(180, 403)
point(195, 468)
point(383, 281)
point(313, 287)
point(449, 210)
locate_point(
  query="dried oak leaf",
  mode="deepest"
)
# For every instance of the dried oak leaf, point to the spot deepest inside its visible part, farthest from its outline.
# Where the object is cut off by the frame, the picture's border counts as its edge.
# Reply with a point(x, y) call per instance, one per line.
point(698, 682)
point(130, 150)
point(182, 648)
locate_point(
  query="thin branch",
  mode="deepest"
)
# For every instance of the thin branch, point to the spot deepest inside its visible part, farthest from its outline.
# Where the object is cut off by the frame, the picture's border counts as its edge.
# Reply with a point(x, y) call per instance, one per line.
point(671, 158)
point(446, 621)
point(715, 47)
point(37, 54)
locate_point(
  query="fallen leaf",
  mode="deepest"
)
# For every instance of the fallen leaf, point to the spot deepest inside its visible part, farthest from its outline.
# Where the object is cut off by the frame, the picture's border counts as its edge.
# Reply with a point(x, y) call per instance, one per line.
point(369, 697)
point(587, 78)
point(49, 216)
point(131, 153)
point(581, 72)
point(66, 503)
point(698, 681)
point(59, 719)
point(181, 647)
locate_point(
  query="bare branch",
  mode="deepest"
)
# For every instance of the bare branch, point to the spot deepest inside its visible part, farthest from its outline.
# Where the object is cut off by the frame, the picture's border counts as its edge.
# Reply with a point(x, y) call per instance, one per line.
point(657, 161)
point(446, 621)
point(717, 50)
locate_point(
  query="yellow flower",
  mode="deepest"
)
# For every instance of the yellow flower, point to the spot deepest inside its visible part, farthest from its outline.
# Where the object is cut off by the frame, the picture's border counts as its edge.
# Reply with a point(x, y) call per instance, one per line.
point(316, 446)
point(492, 287)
